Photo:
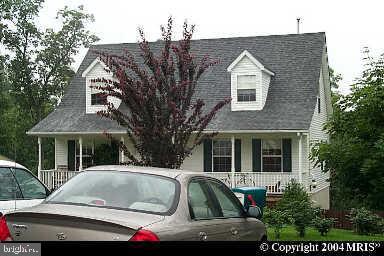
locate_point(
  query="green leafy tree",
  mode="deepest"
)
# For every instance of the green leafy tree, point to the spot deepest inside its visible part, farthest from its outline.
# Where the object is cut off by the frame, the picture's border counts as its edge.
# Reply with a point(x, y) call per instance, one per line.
point(39, 65)
point(298, 205)
point(276, 219)
point(365, 222)
point(355, 154)
point(335, 79)
point(323, 225)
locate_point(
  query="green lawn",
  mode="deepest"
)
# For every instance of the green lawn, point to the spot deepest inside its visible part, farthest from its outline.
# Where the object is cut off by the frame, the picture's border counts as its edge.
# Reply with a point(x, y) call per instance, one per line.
point(3, 157)
point(289, 234)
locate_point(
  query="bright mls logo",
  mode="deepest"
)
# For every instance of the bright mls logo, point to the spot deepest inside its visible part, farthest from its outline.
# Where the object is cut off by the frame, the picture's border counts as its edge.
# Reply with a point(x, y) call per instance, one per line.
point(61, 236)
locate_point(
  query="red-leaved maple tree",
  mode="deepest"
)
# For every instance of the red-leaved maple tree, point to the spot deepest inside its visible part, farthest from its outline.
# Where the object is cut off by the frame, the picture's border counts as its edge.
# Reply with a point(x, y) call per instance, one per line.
point(164, 120)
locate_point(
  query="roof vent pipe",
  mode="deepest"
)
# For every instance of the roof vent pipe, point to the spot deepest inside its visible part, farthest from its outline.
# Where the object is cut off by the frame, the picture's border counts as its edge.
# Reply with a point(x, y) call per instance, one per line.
point(298, 25)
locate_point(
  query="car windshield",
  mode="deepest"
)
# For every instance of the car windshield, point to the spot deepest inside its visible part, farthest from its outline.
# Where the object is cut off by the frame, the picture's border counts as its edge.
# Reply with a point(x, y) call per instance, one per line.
point(121, 190)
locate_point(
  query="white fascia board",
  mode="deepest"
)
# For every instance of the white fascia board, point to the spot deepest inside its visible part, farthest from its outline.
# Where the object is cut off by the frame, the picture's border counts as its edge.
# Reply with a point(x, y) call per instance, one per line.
point(93, 64)
point(254, 61)
point(74, 133)
point(258, 131)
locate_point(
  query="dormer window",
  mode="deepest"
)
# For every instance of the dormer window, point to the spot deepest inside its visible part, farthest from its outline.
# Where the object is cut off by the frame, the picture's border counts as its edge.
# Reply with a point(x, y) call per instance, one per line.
point(246, 88)
point(98, 98)
point(249, 83)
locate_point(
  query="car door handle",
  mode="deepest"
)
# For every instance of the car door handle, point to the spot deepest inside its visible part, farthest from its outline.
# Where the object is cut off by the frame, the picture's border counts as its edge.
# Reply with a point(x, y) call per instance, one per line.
point(203, 236)
point(234, 231)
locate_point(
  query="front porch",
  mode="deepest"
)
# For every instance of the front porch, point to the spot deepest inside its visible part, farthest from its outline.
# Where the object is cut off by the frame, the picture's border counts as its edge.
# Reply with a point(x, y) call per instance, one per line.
point(267, 160)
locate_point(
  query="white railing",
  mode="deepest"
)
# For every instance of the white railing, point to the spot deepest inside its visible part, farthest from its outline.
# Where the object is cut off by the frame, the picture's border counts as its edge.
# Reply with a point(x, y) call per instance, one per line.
point(54, 179)
point(273, 182)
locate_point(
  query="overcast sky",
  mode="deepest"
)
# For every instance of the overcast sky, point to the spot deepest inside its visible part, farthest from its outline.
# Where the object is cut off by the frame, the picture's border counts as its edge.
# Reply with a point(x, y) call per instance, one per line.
point(349, 25)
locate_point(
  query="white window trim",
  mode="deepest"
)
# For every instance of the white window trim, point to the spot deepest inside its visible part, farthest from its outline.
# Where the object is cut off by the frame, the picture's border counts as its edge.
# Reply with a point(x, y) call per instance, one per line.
point(213, 156)
point(92, 65)
point(89, 108)
point(247, 103)
point(281, 156)
point(237, 87)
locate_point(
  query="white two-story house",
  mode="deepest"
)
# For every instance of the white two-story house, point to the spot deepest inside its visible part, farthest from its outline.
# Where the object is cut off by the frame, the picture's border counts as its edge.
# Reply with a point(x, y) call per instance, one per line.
point(281, 99)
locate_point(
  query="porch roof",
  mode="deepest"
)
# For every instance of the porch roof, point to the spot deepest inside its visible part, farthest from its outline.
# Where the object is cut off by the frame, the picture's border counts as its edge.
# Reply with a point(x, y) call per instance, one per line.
point(295, 59)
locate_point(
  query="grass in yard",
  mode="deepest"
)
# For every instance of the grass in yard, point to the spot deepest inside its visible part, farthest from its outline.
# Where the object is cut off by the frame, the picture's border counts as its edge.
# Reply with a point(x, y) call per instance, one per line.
point(289, 234)
point(3, 157)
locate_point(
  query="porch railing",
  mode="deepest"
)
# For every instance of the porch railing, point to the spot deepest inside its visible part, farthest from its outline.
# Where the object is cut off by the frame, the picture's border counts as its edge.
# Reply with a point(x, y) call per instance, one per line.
point(54, 178)
point(273, 182)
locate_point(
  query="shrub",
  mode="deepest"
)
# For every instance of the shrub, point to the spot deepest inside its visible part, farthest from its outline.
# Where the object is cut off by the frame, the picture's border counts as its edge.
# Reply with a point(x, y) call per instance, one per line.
point(297, 203)
point(323, 225)
point(365, 222)
point(275, 219)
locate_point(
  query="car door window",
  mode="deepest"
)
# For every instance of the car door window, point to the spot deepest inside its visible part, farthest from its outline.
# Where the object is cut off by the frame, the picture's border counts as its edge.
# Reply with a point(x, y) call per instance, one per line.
point(228, 202)
point(9, 189)
point(200, 204)
point(31, 187)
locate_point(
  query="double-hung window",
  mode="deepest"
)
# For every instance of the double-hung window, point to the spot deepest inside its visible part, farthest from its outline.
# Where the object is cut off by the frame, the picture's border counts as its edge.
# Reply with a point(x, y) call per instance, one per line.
point(272, 155)
point(99, 98)
point(222, 155)
point(246, 88)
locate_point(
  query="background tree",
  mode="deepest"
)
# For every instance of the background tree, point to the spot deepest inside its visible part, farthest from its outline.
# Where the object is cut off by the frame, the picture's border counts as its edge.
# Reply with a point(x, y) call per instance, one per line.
point(38, 66)
point(165, 121)
point(335, 79)
point(355, 154)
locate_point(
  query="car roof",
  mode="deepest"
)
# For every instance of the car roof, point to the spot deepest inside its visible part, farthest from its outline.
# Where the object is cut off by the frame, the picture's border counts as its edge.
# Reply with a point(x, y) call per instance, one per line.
point(6, 163)
point(172, 173)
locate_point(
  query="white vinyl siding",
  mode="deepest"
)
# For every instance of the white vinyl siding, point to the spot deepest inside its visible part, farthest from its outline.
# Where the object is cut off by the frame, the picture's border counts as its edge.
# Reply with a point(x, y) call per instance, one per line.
point(266, 79)
point(97, 71)
point(316, 131)
point(247, 68)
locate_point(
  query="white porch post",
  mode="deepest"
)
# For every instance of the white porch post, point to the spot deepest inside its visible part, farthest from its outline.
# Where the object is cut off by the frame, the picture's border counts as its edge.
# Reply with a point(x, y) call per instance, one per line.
point(81, 154)
point(39, 165)
point(300, 157)
point(233, 162)
point(122, 151)
point(55, 154)
point(93, 152)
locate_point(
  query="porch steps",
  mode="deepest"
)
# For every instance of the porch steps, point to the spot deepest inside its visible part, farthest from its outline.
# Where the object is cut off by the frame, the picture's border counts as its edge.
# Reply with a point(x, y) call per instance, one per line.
point(272, 199)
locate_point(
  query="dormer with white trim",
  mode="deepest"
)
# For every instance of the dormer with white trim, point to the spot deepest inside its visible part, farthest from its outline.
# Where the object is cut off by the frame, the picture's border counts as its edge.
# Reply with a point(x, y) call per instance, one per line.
point(249, 83)
point(94, 98)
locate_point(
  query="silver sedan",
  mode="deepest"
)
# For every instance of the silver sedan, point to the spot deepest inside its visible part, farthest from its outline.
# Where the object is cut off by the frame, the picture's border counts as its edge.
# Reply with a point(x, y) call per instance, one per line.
point(136, 204)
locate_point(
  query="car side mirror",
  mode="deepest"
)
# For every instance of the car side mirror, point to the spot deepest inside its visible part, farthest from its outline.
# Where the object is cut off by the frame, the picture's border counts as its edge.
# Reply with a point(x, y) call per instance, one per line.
point(254, 211)
point(49, 191)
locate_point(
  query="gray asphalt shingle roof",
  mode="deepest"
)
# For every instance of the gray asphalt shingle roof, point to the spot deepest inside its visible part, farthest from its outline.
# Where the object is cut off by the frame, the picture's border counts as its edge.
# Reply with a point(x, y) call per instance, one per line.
point(295, 59)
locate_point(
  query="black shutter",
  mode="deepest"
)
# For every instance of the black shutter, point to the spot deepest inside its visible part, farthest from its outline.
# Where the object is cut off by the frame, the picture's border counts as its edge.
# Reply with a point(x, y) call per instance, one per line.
point(207, 144)
point(71, 155)
point(115, 150)
point(238, 155)
point(287, 155)
point(256, 155)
